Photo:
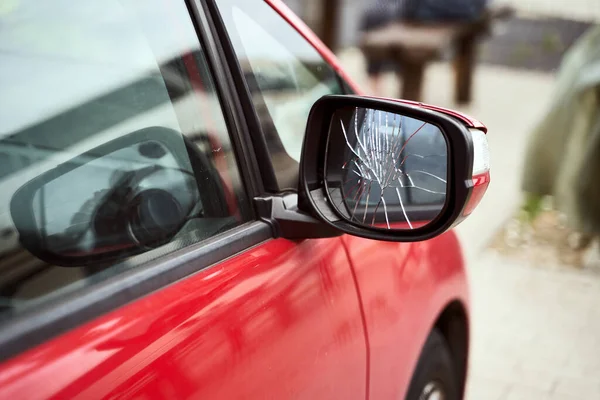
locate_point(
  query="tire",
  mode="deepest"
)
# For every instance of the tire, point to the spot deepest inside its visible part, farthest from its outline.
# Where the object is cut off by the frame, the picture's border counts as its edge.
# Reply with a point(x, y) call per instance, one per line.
point(435, 372)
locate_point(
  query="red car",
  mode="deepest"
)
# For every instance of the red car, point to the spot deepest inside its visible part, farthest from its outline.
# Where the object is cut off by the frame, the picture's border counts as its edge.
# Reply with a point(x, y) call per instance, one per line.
point(196, 202)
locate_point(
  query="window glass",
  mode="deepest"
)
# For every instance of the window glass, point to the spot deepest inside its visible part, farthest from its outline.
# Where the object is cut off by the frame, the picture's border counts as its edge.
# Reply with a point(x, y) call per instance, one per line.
point(113, 146)
point(285, 75)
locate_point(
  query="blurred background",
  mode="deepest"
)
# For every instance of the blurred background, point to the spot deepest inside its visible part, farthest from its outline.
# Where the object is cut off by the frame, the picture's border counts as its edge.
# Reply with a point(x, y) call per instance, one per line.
point(530, 70)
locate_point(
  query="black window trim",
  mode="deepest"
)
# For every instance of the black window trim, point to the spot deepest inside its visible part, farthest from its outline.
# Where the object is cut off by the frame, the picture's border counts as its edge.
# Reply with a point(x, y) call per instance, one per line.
point(231, 102)
point(35, 326)
point(343, 84)
point(237, 80)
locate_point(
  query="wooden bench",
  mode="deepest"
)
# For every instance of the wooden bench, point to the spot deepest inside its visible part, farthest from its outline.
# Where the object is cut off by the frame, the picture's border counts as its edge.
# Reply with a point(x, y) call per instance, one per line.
point(413, 45)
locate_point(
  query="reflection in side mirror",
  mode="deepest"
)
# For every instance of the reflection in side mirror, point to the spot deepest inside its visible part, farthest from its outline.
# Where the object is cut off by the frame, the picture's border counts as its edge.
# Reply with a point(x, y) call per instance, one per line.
point(385, 169)
point(120, 199)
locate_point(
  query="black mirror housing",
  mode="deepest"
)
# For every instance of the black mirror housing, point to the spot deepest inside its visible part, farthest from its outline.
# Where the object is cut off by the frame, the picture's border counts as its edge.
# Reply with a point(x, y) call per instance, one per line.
point(363, 141)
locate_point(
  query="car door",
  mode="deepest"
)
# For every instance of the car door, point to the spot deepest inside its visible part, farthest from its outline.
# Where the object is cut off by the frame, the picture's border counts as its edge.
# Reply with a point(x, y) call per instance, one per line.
point(217, 308)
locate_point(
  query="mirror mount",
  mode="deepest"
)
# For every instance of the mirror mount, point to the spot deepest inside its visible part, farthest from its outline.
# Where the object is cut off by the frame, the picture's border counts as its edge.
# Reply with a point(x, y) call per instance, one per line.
point(287, 221)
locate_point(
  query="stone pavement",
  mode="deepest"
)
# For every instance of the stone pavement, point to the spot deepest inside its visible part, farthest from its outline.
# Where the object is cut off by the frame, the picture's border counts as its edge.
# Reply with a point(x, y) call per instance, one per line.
point(536, 331)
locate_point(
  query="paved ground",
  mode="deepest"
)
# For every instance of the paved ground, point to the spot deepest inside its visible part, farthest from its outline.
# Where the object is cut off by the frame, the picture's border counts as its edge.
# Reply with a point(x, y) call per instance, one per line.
point(536, 331)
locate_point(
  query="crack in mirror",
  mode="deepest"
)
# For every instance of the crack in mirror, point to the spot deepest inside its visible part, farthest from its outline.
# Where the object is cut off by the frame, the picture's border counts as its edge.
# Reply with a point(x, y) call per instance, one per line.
point(385, 170)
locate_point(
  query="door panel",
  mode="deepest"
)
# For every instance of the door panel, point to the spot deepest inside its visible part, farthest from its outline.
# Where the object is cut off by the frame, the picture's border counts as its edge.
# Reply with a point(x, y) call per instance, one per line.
point(401, 301)
point(278, 321)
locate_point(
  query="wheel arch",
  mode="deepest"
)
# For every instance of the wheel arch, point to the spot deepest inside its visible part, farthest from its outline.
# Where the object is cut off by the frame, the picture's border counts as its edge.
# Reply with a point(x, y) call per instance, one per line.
point(453, 324)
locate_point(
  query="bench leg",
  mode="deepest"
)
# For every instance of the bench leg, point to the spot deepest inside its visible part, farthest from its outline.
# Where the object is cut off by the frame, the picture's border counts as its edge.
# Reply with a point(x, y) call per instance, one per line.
point(411, 74)
point(464, 67)
point(329, 23)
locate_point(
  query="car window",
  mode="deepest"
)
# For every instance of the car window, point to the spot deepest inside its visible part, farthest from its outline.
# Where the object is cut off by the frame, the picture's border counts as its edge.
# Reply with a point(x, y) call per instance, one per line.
point(113, 146)
point(285, 75)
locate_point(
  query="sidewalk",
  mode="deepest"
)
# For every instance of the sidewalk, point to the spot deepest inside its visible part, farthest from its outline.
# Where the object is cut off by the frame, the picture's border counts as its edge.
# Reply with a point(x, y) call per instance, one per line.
point(534, 332)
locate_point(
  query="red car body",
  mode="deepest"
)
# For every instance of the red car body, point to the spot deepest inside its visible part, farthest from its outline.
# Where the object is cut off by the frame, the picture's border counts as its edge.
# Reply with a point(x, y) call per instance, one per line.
point(330, 318)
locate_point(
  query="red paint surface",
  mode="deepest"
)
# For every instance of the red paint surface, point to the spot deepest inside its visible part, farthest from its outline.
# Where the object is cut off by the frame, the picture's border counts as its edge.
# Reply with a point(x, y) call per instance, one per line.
point(404, 287)
point(281, 321)
point(480, 186)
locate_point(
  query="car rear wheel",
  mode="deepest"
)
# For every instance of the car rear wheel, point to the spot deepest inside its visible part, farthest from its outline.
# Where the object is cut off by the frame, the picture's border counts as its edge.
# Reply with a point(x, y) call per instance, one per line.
point(434, 377)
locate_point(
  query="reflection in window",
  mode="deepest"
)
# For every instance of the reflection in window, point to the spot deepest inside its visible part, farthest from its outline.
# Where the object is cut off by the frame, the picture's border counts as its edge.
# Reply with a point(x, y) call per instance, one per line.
point(285, 74)
point(77, 76)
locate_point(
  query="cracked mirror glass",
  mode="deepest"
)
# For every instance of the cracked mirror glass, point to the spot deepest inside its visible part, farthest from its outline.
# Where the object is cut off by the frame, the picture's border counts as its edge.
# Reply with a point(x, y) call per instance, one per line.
point(385, 170)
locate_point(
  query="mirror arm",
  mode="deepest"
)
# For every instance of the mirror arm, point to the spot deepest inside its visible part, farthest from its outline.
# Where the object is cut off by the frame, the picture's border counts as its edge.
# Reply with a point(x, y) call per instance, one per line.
point(288, 222)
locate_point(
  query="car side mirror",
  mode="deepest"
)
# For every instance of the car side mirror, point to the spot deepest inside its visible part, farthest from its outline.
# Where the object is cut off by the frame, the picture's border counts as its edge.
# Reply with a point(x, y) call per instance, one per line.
point(387, 170)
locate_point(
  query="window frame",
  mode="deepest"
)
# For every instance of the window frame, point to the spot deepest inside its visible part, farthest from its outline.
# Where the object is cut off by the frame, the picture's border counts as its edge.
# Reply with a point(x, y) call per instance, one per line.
point(258, 138)
point(35, 326)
